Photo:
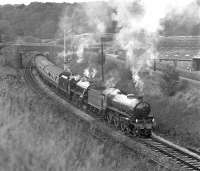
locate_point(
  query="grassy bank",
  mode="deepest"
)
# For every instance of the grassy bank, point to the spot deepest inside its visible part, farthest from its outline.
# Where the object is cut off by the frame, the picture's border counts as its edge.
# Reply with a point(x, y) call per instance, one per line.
point(37, 134)
point(177, 116)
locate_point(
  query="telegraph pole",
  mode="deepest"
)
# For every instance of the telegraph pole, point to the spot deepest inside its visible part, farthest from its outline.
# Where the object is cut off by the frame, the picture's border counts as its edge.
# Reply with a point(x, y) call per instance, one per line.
point(154, 63)
point(102, 61)
point(64, 52)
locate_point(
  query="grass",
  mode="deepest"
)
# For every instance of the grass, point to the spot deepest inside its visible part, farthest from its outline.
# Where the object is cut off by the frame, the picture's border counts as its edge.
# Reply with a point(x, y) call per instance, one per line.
point(177, 116)
point(37, 134)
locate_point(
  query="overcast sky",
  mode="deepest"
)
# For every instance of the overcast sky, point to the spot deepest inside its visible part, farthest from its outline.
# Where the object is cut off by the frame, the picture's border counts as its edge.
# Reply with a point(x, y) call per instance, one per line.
point(3, 2)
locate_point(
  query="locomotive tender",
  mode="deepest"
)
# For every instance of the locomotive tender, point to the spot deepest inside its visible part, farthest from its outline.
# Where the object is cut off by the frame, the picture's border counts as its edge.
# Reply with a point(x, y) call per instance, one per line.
point(128, 113)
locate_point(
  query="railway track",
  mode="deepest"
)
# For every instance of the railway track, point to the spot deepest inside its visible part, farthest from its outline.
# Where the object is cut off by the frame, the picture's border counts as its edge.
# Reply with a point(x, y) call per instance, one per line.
point(30, 80)
point(196, 151)
point(186, 159)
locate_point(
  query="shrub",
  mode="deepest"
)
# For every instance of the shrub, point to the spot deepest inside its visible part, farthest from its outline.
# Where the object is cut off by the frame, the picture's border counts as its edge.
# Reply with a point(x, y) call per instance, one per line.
point(170, 82)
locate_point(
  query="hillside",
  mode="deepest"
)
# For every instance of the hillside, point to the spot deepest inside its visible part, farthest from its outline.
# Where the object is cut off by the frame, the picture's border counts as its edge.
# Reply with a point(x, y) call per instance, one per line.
point(38, 134)
point(43, 20)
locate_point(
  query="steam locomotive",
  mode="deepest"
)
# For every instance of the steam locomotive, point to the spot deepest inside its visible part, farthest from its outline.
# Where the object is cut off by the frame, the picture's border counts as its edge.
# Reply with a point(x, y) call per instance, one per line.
point(129, 113)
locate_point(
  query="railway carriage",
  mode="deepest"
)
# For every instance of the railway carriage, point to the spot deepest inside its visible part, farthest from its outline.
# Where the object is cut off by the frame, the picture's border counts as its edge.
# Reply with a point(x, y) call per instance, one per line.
point(48, 70)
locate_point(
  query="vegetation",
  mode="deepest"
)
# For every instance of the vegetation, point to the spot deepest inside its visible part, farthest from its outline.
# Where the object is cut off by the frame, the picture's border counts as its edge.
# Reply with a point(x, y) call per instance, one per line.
point(177, 116)
point(37, 134)
point(34, 137)
point(43, 20)
point(170, 82)
point(37, 20)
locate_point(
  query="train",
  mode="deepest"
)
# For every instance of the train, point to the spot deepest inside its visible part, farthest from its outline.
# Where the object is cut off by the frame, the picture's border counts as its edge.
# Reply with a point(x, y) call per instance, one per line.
point(127, 112)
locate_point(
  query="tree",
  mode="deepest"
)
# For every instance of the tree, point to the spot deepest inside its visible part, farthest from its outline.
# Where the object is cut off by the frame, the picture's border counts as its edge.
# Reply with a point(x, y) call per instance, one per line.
point(170, 82)
point(46, 30)
point(6, 31)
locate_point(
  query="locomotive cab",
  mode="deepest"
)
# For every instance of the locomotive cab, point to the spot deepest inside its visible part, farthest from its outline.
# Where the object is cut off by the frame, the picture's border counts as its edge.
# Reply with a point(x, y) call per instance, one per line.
point(80, 91)
point(82, 86)
point(64, 80)
point(73, 81)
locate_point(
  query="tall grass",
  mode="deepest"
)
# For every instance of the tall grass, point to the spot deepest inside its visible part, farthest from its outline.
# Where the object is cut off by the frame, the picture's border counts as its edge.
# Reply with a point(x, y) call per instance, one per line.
point(177, 116)
point(37, 134)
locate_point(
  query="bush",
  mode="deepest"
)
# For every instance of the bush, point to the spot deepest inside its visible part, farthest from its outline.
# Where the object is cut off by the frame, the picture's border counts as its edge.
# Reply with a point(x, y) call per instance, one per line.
point(170, 82)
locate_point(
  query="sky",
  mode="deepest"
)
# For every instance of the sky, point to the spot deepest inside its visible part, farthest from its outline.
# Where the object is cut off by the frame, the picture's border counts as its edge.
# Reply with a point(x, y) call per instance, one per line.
point(3, 2)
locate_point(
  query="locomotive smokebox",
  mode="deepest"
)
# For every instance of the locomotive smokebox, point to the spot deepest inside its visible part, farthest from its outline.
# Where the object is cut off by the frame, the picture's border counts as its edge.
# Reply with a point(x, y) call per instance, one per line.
point(142, 110)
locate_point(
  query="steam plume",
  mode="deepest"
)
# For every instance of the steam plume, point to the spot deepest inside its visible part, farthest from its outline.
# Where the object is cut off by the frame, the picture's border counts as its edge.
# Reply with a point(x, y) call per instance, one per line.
point(139, 22)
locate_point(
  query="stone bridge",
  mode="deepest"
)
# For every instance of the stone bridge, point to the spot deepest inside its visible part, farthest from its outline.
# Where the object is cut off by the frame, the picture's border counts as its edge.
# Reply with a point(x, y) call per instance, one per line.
point(22, 51)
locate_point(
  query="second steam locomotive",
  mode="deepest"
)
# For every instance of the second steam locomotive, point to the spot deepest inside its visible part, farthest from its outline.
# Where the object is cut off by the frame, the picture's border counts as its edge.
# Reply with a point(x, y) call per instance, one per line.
point(128, 113)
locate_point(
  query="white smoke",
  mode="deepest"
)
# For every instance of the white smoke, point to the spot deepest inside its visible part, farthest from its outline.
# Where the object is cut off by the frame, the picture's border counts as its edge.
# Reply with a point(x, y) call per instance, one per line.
point(98, 15)
point(81, 42)
point(90, 72)
point(112, 77)
point(91, 17)
point(139, 22)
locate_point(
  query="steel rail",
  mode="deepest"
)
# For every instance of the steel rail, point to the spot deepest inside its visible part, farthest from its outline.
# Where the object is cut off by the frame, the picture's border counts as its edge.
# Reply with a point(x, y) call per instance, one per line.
point(185, 158)
point(29, 79)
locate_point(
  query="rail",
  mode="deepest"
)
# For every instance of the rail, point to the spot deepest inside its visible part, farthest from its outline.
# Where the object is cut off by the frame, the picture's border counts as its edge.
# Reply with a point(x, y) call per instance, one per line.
point(31, 82)
point(184, 157)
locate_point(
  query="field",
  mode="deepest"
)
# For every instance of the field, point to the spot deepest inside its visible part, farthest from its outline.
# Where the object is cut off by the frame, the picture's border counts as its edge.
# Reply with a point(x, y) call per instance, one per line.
point(181, 42)
point(181, 48)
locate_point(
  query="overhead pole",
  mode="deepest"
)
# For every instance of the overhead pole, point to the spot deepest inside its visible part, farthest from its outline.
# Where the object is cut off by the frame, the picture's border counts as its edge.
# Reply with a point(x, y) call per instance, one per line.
point(64, 52)
point(104, 38)
point(154, 63)
point(102, 61)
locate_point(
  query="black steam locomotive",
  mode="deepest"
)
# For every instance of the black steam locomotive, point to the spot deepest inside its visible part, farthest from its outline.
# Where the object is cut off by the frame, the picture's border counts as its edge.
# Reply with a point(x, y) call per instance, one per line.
point(128, 113)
